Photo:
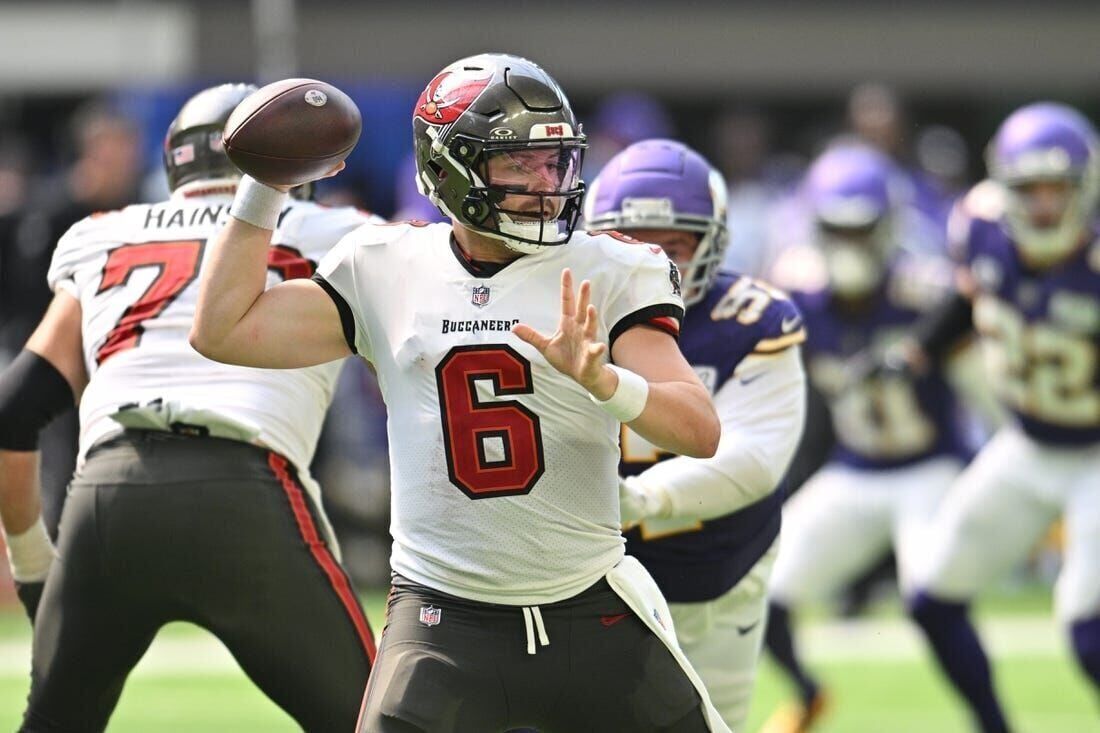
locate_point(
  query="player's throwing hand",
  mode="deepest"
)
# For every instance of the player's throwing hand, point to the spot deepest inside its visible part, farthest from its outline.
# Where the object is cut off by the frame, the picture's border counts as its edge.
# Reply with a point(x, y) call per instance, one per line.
point(573, 349)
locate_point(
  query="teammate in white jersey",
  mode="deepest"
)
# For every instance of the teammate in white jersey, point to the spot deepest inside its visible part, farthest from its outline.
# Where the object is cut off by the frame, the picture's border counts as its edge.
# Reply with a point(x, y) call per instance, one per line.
point(509, 571)
point(192, 498)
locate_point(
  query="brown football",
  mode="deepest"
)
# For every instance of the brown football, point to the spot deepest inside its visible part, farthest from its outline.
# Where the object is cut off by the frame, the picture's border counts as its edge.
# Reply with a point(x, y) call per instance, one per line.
point(292, 131)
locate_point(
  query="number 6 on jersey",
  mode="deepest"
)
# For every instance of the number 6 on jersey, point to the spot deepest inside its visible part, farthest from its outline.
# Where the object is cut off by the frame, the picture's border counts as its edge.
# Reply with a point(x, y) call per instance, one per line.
point(493, 448)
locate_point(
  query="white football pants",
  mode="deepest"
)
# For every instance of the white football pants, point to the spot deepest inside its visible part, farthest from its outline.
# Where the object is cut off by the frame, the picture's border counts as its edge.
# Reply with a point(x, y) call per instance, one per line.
point(722, 639)
point(1003, 504)
point(844, 519)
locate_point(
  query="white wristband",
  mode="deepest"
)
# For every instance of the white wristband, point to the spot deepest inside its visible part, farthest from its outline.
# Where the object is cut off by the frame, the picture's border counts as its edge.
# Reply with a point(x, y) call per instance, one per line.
point(30, 553)
point(629, 398)
point(257, 204)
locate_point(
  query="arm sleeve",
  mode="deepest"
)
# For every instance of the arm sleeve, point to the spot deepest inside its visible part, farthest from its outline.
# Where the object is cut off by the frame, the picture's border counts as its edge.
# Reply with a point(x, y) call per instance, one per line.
point(649, 296)
point(338, 275)
point(32, 393)
point(762, 410)
point(942, 328)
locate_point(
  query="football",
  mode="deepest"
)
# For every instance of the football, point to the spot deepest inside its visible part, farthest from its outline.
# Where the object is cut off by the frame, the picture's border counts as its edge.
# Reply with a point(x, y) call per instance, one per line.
point(292, 131)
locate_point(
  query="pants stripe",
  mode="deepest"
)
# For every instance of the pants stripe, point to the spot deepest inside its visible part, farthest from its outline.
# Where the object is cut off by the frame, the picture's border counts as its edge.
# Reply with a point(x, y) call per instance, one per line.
point(308, 529)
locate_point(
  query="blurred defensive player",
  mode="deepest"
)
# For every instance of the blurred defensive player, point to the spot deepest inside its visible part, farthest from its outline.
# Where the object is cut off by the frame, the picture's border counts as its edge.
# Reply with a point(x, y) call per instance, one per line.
point(707, 530)
point(192, 500)
point(507, 557)
point(1029, 273)
point(898, 445)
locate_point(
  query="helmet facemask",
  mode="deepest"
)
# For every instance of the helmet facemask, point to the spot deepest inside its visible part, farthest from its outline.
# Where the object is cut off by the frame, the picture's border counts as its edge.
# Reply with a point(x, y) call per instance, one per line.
point(525, 193)
point(1046, 242)
point(855, 257)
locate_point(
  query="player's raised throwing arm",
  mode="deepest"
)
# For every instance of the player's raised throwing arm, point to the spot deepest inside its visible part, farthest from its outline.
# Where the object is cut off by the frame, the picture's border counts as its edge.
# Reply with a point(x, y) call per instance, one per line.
point(657, 390)
point(294, 324)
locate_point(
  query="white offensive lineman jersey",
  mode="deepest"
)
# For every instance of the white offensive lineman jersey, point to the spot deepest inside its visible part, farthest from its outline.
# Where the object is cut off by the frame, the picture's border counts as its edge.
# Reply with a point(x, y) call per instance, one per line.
point(136, 274)
point(504, 471)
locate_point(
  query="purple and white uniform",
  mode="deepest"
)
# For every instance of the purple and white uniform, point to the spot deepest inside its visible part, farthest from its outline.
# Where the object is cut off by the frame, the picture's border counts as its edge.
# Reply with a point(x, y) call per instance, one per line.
point(1037, 310)
point(898, 440)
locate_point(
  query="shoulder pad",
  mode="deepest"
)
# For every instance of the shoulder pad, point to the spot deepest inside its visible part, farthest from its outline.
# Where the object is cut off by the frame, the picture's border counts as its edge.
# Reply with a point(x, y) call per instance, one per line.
point(800, 268)
point(984, 201)
point(619, 247)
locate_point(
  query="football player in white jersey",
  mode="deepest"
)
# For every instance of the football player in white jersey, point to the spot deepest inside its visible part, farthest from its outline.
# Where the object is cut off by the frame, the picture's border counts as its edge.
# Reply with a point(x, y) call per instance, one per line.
point(192, 499)
point(707, 530)
point(504, 415)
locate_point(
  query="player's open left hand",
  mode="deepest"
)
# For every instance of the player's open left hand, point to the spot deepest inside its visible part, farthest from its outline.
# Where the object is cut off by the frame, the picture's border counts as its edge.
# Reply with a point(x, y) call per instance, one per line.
point(573, 349)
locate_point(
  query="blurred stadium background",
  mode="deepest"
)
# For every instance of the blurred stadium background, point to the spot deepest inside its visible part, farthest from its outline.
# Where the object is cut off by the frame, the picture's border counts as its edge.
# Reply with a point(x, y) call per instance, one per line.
point(88, 88)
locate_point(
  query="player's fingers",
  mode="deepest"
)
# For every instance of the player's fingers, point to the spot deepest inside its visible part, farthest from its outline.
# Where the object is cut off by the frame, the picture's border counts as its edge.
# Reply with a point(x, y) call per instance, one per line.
point(568, 307)
point(591, 322)
point(596, 350)
point(531, 336)
point(336, 169)
point(583, 297)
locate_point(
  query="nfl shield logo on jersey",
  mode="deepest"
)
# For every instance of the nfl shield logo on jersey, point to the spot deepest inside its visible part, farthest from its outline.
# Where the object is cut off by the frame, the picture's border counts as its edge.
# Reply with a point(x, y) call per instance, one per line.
point(430, 615)
point(480, 296)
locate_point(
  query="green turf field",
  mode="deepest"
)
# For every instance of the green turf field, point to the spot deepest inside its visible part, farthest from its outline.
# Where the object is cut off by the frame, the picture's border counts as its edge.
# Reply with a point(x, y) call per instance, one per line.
point(876, 668)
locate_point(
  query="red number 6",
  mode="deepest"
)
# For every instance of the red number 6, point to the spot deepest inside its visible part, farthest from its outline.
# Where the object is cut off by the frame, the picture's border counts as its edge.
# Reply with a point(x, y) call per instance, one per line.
point(471, 427)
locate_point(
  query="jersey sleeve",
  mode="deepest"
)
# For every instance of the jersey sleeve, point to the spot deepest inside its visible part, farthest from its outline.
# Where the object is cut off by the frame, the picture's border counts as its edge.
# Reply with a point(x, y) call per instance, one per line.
point(314, 229)
point(985, 201)
point(762, 412)
point(766, 315)
point(649, 295)
point(77, 248)
point(338, 274)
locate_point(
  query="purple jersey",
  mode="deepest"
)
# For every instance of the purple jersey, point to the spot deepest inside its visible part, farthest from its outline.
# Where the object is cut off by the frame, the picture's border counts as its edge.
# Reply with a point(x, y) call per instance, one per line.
point(1040, 329)
point(739, 316)
point(891, 421)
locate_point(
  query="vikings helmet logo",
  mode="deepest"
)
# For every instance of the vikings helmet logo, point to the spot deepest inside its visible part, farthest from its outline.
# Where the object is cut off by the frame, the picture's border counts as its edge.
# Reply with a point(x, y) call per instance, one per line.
point(450, 94)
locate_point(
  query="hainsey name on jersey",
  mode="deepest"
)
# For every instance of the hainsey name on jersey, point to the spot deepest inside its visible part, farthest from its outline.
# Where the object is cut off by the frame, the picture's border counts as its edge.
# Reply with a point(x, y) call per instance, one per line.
point(1040, 329)
point(504, 471)
point(135, 273)
point(737, 322)
point(891, 422)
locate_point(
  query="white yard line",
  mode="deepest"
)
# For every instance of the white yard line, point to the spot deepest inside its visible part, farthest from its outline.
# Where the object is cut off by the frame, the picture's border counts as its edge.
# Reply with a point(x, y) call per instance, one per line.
point(895, 639)
point(892, 639)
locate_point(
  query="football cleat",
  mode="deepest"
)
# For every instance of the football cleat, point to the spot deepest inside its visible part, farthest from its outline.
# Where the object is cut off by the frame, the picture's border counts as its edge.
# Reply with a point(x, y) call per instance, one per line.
point(798, 717)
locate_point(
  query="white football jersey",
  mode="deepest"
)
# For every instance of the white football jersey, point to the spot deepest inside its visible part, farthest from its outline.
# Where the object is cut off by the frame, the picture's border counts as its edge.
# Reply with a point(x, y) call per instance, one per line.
point(136, 274)
point(504, 471)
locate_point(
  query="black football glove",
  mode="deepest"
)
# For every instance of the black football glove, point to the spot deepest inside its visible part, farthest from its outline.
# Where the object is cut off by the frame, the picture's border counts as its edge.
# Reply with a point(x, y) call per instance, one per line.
point(29, 595)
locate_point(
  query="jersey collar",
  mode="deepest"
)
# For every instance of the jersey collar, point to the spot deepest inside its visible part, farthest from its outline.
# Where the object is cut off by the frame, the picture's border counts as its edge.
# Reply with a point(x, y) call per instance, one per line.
point(477, 268)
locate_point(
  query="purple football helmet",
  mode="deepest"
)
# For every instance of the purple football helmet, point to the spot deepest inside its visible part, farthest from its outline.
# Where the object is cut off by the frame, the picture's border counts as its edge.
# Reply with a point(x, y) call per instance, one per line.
point(1046, 142)
point(851, 193)
point(664, 184)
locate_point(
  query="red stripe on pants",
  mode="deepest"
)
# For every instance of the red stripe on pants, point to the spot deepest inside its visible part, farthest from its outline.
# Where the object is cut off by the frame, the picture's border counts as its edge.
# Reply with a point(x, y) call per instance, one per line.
point(336, 577)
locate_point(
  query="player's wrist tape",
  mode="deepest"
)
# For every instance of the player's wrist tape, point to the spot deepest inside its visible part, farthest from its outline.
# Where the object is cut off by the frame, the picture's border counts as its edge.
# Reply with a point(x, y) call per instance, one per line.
point(257, 204)
point(629, 398)
point(30, 553)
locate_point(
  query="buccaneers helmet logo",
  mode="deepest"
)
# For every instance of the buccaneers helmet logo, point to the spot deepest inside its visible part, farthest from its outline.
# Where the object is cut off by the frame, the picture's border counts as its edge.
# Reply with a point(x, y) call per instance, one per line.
point(448, 95)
